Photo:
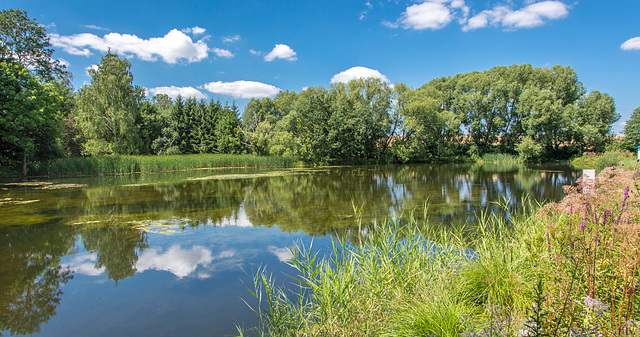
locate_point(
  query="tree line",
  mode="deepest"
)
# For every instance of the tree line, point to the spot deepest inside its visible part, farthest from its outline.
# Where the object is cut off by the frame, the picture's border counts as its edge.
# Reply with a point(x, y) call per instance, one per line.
point(536, 113)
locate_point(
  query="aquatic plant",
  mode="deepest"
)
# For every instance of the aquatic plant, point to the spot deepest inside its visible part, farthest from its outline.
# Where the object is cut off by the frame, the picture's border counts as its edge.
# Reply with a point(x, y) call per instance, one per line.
point(133, 164)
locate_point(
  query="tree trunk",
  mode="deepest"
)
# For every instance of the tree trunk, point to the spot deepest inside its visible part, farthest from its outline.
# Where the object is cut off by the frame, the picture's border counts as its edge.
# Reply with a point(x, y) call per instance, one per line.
point(24, 162)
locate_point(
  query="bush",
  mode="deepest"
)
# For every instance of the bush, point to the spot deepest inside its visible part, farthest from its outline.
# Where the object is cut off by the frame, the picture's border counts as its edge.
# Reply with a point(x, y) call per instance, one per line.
point(529, 150)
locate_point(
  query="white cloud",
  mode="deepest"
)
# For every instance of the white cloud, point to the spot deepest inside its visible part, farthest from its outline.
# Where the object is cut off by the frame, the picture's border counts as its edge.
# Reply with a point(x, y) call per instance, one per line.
point(533, 15)
point(222, 53)
point(194, 30)
point(231, 39)
point(174, 46)
point(93, 66)
point(85, 264)
point(281, 51)
point(358, 72)
point(283, 254)
point(427, 15)
point(242, 89)
point(389, 24)
point(95, 27)
point(180, 262)
point(254, 52)
point(174, 91)
point(631, 44)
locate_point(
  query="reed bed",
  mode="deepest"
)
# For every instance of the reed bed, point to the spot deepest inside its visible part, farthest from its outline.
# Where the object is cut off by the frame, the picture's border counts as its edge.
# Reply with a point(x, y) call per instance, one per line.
point(500, 158)
point(134, 164)
point(566, 269)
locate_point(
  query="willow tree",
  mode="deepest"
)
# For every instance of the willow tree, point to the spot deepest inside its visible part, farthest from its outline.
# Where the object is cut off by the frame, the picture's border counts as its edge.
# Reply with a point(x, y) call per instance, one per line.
point(107, 109)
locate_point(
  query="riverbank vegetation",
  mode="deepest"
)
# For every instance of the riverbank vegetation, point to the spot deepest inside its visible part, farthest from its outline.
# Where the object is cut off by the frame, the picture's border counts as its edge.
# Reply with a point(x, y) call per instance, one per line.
point(532, 113)
point(600, 161)
point(566, 269)
point(100, 165)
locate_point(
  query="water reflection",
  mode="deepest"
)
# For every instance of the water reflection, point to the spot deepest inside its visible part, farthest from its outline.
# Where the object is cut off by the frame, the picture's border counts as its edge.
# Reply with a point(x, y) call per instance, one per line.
point(119, 231)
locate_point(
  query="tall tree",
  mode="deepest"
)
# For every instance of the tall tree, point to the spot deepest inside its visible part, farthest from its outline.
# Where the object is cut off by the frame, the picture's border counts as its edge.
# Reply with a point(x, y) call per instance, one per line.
point(25, 41)
point(30, 118)
point(108, 108)
point(632, 129)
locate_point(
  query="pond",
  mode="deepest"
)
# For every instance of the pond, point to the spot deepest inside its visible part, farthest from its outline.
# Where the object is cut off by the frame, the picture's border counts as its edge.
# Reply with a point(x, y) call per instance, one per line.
point(170, 254)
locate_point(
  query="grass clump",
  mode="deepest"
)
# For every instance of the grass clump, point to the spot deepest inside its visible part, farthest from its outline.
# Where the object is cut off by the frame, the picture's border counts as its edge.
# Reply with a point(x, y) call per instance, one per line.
point(600, 161)
point(567, 269)
point(134, 164)
point(500, 158)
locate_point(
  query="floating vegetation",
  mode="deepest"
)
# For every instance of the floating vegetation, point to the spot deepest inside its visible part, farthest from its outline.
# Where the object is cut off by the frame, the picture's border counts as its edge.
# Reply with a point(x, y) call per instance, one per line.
point(18, 201)
point(164, 227)
point(60, 186)
point(45, 185)
point(245, 176)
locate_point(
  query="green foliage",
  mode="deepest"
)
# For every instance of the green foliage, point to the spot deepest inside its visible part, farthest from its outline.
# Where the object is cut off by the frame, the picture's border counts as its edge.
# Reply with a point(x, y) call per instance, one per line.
point(570, 268)
point(600, 161)
point(99, 165)
point(31, 114)
point(632, 129)
point(593, 247)
point(529, 150)
point(107, 109)
point(26, 42)
point(499, 158)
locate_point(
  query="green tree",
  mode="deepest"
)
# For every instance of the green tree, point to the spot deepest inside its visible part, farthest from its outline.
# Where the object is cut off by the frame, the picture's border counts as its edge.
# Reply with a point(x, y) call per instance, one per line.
point(25, 41)
point(30, 120)
point(107, 109)
point(594, 119)
point(632, 129)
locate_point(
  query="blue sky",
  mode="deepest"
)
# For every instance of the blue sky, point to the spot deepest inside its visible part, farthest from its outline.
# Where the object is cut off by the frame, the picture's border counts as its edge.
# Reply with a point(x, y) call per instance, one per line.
point(233, 50)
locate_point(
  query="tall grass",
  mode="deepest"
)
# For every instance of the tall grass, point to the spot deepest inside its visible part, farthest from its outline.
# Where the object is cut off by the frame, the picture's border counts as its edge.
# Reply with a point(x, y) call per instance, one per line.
point(600, 161)
point(132, 164)
point(570, 268)
point(500, 158)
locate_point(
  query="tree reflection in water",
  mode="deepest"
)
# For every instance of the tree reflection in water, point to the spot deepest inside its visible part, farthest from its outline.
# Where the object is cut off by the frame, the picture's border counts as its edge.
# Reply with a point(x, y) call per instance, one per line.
point(31, 275)
point(111, 221)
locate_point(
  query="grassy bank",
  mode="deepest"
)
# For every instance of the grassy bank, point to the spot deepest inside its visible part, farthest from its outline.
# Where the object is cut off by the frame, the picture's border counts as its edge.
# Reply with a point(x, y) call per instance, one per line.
point(132, 164)
point(569, 268)
point(600, 161)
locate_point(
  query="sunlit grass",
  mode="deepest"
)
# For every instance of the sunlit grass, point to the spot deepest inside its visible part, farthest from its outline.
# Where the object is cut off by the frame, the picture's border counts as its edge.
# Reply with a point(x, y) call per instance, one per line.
point(133, 164)
point(571, 268)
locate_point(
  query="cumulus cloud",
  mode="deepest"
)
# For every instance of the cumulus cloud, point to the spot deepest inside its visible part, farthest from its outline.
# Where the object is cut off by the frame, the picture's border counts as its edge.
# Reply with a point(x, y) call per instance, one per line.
point(174, 91)
point(85, 264)
point(222, 53)
point(281, 51)
point(180, 262)
point(194, 30)
point(231, 39)
point(255, 52)
point(437, 14)
point(357, 72)
point(283, 254)
point(174, 46)
point(431, 14)
point(242, 89)
point(427, 15)
point(533, 15)
point(631, 44)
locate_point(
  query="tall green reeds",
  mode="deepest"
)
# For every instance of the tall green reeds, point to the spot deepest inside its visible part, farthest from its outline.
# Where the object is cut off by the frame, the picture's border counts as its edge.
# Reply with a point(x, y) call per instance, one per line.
point(132, 164)
point(568, 269)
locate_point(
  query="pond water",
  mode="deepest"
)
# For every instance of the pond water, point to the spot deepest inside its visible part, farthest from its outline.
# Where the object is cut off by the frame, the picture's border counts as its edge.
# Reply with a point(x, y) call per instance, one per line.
point(169, 254)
